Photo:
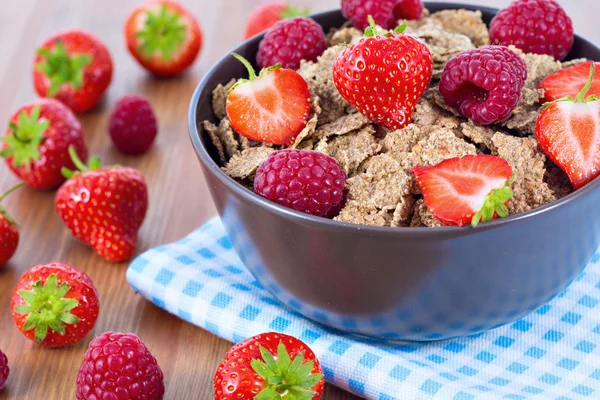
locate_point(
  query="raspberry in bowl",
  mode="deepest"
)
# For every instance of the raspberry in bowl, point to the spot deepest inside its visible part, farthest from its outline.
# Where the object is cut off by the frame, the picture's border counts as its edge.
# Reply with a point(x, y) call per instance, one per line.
point(389, 263)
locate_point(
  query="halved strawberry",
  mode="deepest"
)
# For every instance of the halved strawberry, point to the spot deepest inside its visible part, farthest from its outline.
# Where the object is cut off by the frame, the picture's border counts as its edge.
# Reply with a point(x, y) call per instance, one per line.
point(466, 190)
point(272, 107)
point(568, 131)
point(569, 81)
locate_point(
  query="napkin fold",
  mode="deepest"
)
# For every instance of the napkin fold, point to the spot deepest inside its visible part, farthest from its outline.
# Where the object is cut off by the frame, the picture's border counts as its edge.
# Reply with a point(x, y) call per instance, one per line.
point(553, 353)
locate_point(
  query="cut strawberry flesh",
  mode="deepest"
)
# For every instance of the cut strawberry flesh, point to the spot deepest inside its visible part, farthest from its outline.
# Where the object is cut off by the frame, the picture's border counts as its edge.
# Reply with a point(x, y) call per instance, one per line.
point(273, 108)
point(569, 81)
point(570, 134)
point(456, 189)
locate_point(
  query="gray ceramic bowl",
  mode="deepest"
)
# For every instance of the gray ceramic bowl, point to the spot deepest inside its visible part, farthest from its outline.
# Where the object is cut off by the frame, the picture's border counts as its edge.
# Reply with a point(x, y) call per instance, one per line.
point(400, 283)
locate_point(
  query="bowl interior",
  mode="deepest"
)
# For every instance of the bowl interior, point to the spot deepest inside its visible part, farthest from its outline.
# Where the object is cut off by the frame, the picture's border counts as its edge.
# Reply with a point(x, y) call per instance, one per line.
point(228, 68)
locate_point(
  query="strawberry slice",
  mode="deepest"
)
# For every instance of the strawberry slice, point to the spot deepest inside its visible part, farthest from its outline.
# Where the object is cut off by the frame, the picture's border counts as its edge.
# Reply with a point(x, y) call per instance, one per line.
point(272, 107)
point(569, 81)
point(466, 190)
point(568, 131)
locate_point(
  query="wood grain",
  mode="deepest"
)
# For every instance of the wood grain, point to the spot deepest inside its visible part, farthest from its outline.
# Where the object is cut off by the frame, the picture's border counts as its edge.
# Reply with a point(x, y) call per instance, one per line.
point(179, 200)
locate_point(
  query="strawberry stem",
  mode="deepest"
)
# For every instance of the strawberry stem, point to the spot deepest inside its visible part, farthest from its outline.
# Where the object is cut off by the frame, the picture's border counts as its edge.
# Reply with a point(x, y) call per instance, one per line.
point(94, 165)
point(10, 190)
point(247, 64)
point(372, 28)
point(588, 85)
point(2, 209)
point(47, 308)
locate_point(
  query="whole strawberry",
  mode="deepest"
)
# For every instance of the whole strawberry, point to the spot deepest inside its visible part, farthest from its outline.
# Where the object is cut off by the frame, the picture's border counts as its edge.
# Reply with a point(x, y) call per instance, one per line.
point(567, 130)
point(37, 140)
point(267, 15)
point(534, 26)
point(104, 207)
point(269, 366)
point(9, 232)
point(163, 37)
point(4, 371)
point(74, 67)
point(384, 77)
point(119, 366)
point(55, 305)
point(290, 41)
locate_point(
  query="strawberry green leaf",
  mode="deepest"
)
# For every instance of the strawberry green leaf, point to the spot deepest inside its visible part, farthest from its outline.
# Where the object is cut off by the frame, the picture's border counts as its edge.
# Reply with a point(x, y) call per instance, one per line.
point(402, 27)
point(95, 164)
point(25, 138)
point(62, 68)
point(46, 308)
point(283, 358)
point(372, 28)
point(285, 378)
point(164, 32)
point(495, 203)
point(291, 12)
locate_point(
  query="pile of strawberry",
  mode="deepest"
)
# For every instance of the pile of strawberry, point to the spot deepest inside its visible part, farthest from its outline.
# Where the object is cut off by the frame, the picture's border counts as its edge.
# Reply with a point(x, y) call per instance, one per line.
point(56, 305)
point(385, 74)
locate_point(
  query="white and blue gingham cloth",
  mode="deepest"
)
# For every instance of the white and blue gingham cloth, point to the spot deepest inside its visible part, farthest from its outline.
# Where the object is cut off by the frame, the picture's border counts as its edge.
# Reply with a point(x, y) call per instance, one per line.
point(553, 353)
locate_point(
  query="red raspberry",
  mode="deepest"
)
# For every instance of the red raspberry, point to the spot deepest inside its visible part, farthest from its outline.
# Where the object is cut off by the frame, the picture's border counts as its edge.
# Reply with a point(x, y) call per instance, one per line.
point(484, 84)
point(304, 180)
point(132, 125)
point(4, 371)
point(534, 26)
point(382, 11)
point(408, 9)
point(290, 41)
point(119, 366)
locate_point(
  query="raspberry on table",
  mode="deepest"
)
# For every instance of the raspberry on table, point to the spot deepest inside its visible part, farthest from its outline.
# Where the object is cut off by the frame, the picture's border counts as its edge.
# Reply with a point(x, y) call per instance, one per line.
point(119, 366)
point(132, 125)
point(291, 40)
point(534, 26)
point(484, 84)
point(4, 371)
point(382, 11)
point(305, 180)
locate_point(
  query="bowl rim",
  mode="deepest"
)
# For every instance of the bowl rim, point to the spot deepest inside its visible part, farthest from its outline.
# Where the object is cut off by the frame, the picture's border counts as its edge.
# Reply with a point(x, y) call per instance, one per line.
point(212, 167)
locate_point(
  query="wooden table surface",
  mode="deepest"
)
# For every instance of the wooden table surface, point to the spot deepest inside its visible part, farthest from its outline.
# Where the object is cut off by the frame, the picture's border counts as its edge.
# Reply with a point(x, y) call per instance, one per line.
point(179, 200)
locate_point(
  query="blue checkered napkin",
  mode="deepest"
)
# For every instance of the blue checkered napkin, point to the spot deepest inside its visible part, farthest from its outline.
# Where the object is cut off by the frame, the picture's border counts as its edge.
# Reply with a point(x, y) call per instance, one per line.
point(554, 353)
